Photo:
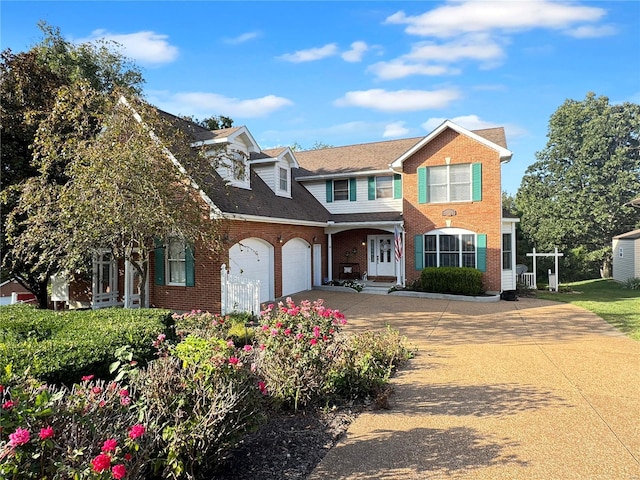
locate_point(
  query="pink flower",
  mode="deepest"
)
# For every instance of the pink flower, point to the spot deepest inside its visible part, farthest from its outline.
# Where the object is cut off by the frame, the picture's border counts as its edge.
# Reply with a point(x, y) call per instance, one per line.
point(101, 463)
point(234, 360)
point(162, 337)
point(19, 437)
point(299, 336)
point(313, 341)
point(247, 348)
point(109, 445)
point(136, 431)
point(125, 401)
point(8, 405)
point(287, 331)
point(262, 346)
point(118, 471)
point(316, 331)
point(96, 390)
point(102, 403)
point(274, 332)
point(87, 378)
point(124, 392)
point(263, 388)
point(230, 344)
point(46, 433)
point(1, 388)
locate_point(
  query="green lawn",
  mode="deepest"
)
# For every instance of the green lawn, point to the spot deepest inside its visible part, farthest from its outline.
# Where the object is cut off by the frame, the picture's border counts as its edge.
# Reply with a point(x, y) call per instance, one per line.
point(607, 299)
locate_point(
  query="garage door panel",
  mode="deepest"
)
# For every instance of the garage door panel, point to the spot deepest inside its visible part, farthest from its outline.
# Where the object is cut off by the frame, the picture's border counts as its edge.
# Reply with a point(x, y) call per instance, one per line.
point(296, 266)
point(253, 258)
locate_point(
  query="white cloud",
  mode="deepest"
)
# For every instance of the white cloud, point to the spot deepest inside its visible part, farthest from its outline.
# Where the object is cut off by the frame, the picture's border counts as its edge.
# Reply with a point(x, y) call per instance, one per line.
point(592, 31)
point(399, 69)
point(473, 46)
point(399, 100)
point(358, 49)
point(245, 37)
point(466, 16)
point(395, 130)
point(145, 47)
point(204, 104)
point(473, 122)
point(311, 54)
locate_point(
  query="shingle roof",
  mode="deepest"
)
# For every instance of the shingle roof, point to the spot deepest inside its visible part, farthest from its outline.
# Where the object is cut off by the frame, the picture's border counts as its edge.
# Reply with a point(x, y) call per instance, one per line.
point(371, 156)
point(633, 235)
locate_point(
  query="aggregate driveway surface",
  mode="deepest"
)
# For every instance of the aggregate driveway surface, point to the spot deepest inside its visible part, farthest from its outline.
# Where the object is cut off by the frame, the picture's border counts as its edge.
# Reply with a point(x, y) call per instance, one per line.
point(507, 390)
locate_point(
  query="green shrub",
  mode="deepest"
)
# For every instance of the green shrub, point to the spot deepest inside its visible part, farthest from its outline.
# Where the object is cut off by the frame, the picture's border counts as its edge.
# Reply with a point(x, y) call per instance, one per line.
point(60, 347)
point(632, 284)
point(366, 363)
point(455, 280)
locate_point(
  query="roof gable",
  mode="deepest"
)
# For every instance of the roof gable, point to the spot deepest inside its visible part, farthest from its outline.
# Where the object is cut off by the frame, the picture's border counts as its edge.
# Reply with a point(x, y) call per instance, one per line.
point(485, 137)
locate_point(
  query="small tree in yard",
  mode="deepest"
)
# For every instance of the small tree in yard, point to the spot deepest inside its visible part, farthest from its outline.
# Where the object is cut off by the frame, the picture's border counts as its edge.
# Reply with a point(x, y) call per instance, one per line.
point(125, 189)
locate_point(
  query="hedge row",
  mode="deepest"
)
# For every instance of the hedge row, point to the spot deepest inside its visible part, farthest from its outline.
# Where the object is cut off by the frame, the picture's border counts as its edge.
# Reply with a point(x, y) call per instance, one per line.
point(455, 280)
point(60, 347)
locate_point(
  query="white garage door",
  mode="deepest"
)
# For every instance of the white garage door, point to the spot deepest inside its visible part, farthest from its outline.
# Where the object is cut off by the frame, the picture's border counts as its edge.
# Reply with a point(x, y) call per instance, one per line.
point(296, 266)
point(253, 258)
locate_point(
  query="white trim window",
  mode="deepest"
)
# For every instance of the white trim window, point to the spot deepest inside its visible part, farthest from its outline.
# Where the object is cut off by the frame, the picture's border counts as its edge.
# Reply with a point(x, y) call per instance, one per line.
point(283, 179)
point(507, 263)
point(384, 187)
point(450, 183)
point(444, 250)
point(176, 262)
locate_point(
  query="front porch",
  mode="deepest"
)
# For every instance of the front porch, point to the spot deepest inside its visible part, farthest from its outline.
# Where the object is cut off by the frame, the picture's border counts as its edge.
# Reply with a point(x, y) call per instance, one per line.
point(366, 252)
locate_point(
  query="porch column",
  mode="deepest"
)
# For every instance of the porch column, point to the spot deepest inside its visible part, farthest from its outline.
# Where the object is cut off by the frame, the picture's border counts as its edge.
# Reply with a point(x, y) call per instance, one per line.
point(330, 256)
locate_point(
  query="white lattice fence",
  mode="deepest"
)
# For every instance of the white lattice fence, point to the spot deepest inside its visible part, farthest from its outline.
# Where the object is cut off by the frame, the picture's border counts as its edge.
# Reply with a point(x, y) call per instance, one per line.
point(238, 294)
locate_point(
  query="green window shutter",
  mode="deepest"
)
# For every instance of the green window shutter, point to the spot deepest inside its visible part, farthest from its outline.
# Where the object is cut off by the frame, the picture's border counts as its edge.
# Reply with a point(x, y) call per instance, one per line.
point(476, 181)
point(397, 186)
point(481, 252)
point(418, 249)
point(329, 191)
point(352, 189)
point(189, 266)
point(159, 262)
point(423, 196)
point(371, 187)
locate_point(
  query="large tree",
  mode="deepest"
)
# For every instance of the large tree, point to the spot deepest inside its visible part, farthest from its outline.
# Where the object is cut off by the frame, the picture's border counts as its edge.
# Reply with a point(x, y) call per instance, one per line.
point(29, 85)
point(573, 197)
point(128, 185)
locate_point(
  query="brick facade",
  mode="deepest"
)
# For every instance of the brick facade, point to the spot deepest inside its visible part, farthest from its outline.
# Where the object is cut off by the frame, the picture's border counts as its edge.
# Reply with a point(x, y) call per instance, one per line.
point(205, 294)
point(479, 217)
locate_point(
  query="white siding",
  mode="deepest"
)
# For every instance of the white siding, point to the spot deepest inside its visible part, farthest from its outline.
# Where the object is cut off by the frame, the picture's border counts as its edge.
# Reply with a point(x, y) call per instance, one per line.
point(362, 203)
point(627, 266)
point(509, 276)
point(266, 173)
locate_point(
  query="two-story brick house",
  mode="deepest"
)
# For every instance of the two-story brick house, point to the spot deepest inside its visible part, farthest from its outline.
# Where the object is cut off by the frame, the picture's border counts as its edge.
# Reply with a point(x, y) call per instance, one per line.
point(293, 220)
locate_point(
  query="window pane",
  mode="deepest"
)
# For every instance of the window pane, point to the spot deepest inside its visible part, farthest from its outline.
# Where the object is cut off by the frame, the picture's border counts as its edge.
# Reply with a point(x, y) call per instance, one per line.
point(468, 243)
point(449, 260)
point(384, 187)
point(176, 249)
point(438, 175)
point(430, 243)
point(460, 173)
point(460, 177)
point(506, 251)
point(283, 179)
point(469, 260)
point(177, 272)
point(449, 243)
point(430, 260)
point(340, 190)
point(460, 192)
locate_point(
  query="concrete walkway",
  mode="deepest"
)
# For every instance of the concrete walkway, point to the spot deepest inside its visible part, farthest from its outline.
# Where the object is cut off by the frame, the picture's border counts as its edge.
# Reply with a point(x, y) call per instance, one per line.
point(508, 390)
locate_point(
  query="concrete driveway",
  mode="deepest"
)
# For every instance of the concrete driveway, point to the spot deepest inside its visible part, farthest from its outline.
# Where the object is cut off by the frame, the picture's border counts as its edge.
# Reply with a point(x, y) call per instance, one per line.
point(509, 390)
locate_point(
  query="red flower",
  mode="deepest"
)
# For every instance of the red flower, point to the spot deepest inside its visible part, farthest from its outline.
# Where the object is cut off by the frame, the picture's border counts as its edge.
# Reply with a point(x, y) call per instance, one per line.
point(46, 433)
point(101, 463)
point(263, 388)
point(19, 437)
point(8, 405)
point(87, 378)
point(136, 431)
point(234, 360)
point(118, 471)
point(1, 388)
point(313, 341)
point(127, 457)
point(124, 392)
point(109, 445)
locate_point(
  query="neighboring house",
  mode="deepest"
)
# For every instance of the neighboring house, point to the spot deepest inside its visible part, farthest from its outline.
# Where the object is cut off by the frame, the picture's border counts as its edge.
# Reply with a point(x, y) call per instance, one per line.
point(12, 291)
point(626, 256)
point(293, 220)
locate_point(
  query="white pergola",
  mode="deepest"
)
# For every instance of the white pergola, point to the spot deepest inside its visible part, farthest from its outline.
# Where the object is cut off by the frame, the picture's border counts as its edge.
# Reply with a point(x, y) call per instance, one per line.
point(553, 278)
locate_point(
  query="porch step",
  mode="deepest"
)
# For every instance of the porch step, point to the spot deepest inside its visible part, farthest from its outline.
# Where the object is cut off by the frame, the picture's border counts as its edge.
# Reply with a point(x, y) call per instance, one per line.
point(377, 288)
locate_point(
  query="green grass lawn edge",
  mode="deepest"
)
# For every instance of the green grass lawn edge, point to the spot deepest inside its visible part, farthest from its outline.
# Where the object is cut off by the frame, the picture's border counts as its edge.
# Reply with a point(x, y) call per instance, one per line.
point(606, 298)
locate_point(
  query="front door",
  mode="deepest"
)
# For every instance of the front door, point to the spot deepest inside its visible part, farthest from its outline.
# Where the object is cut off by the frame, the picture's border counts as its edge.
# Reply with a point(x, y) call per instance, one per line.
point(381, 257)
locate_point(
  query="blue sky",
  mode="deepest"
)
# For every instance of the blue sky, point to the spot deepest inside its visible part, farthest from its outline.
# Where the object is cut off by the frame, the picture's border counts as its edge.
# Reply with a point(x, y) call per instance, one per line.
point(353, 72)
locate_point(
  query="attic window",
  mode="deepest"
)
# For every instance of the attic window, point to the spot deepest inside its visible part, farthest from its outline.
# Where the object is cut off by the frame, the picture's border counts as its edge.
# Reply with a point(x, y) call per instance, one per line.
point(283, 179)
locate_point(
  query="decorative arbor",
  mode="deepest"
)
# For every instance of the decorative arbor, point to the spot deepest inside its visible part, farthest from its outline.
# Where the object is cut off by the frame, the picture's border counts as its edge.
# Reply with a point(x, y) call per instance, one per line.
point(553, 277)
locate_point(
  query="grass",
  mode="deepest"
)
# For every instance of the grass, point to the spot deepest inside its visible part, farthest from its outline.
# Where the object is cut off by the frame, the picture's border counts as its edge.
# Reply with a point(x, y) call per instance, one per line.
point(607, 299)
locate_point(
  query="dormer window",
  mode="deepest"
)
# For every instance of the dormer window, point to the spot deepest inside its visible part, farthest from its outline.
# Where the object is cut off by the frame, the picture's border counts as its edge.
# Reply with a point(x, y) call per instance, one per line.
point(283, 175)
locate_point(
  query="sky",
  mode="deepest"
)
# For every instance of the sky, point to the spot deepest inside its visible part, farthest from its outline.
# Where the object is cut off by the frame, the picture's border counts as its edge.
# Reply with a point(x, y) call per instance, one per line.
point(343, 73)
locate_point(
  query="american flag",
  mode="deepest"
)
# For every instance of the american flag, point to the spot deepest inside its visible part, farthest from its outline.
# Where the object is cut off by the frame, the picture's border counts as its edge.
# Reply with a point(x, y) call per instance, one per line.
point(397, 241)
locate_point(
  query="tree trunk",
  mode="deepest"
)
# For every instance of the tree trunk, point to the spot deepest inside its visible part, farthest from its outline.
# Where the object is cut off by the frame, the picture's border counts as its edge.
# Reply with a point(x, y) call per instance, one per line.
point(605, 269)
